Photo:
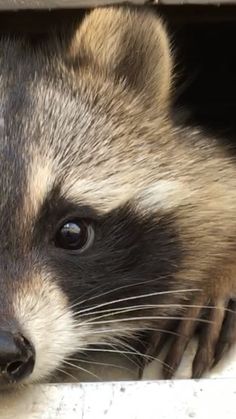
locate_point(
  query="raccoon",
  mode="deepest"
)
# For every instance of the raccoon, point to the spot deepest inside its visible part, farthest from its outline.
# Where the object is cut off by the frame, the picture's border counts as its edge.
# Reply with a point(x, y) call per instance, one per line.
point(114, 220)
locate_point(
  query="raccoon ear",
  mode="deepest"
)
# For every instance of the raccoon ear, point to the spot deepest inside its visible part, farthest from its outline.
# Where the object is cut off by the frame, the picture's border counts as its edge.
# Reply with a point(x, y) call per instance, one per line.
point(126, 44)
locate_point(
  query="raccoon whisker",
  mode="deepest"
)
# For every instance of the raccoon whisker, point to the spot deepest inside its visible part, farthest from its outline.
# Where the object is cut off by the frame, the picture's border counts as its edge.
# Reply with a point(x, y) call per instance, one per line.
point(119, 343)
point(148, 318)
point(135, 297)
point(81, 369)
point(144, 329)
point(89, 310)
point(66, 373)
point(97, 363)
point(147, 306)
point(127, 329)
point(148, 357)
point(114, 349)
point(122, 287)
point(118, 351)
point(128, 308)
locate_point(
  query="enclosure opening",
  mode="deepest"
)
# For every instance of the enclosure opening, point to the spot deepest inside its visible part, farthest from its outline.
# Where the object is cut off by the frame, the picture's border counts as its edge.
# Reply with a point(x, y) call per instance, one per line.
point(206, 82)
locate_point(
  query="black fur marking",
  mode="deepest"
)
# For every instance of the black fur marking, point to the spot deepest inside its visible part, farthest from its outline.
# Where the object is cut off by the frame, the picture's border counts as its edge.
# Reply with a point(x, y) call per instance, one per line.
point(128, 249)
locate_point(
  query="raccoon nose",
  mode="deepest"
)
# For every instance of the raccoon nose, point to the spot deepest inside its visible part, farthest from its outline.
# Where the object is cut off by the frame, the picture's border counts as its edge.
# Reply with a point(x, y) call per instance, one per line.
point(17, 357)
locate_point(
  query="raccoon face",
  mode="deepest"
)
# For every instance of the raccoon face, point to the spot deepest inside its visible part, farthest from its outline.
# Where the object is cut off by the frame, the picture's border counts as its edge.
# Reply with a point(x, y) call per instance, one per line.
point(89, 243)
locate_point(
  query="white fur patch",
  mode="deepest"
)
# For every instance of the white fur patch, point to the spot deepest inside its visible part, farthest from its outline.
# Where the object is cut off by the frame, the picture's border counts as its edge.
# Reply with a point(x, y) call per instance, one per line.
point(103, 195)
point(164, 194)
point(39, 184)
point(107, 194)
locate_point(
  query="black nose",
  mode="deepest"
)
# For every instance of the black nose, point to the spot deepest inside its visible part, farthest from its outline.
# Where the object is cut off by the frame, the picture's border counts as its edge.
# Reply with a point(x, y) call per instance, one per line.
point(17, 357)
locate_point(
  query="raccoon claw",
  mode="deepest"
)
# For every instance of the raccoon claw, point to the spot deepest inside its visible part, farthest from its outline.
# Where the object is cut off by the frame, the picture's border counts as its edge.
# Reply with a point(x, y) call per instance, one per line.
point(228, 333)
point(215, 325)
point(208, 339)
point(216, 338)
point(202, 362)
point(216, 335)
point(185, 332)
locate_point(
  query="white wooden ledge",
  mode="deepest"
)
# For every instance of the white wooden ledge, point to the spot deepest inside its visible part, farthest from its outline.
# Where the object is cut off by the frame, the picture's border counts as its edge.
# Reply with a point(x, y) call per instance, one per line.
point(179, 399)
point(55, 4)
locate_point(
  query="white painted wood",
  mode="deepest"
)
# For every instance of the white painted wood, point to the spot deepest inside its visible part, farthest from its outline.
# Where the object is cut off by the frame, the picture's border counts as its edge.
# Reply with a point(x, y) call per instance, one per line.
point(204, 399)
point(56, 4)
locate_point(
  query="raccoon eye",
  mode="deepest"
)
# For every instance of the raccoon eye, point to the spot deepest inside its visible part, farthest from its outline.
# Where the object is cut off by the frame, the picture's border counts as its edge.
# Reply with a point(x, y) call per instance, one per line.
point(74, 235)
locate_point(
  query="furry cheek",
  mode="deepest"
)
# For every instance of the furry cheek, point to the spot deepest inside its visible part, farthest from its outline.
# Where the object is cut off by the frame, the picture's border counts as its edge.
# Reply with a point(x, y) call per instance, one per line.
point(42, 311)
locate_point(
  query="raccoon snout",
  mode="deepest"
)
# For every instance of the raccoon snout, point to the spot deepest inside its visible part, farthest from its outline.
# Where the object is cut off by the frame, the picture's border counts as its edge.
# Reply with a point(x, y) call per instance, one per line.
point(17, 357)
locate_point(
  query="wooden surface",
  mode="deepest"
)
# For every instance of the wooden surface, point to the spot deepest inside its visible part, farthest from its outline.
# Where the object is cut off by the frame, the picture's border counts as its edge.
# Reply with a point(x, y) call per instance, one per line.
point(42, 4)
point(211, 399)
point(54, 4)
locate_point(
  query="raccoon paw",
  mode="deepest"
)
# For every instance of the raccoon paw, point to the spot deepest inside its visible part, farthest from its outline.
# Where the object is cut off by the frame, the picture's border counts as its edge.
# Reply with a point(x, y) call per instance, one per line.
point(228, 333)
point(184, 333)
point(217, 333)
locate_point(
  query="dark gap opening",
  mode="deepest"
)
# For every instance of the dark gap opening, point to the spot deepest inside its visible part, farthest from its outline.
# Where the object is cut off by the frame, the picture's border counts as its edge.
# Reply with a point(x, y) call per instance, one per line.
point(206, 82)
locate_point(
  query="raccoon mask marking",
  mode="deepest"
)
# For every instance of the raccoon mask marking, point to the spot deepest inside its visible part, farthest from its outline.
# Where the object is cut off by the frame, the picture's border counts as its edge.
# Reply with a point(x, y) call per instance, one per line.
point(108, 222)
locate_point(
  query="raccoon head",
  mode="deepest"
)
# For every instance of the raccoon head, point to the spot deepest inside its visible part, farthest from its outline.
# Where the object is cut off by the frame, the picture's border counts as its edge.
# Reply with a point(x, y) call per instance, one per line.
point(88, 235)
